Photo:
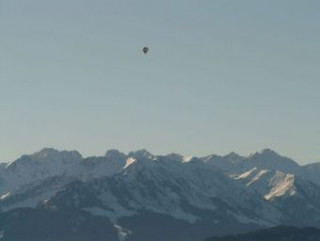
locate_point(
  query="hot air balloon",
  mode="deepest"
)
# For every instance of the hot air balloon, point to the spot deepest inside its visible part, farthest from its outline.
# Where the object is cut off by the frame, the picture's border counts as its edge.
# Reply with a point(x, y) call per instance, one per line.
point(145, 50)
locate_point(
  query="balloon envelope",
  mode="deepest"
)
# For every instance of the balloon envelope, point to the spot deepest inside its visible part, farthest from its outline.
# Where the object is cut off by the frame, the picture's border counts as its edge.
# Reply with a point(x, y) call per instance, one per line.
point(145, 50)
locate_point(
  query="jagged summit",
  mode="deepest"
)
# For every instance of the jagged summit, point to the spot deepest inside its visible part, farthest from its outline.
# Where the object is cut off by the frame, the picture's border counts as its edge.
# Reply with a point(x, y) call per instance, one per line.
point(175, 156)
point(115, 154)
point(167, 192)
point(141, 154)
point(265, 151)
point(46, 155)
point(51, 153)
point(47, 151)
point(234, 157)
point(268, 153)
point(270, 160)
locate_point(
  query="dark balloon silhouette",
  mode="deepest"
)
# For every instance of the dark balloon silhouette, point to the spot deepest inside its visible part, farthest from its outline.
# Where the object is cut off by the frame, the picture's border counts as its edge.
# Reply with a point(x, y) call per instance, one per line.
point(145, 50)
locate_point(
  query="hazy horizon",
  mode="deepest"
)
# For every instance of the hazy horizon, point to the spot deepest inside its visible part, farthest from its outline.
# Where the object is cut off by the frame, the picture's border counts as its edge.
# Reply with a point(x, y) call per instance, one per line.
point(220, 76)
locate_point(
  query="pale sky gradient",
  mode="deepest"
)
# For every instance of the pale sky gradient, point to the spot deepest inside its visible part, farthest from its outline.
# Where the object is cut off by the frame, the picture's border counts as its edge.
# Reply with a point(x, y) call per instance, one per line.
point(221, 76)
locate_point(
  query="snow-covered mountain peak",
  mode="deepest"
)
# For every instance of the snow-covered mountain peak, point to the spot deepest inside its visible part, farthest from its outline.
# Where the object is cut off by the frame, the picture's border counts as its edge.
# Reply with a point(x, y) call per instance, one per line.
point(142, 154)
point(47, 158)
point(270, 160)
point(222, 191)
point(53, 154)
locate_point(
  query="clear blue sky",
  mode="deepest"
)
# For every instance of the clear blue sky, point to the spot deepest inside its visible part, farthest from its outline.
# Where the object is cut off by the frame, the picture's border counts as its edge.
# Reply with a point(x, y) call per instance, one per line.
point(221, 76)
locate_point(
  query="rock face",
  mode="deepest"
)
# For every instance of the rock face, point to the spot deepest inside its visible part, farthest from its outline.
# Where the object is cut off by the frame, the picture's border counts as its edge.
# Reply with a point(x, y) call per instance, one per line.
point(140, 196)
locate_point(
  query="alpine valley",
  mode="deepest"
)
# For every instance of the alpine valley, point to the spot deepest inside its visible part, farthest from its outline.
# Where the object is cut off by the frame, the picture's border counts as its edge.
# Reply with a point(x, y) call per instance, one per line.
point(60, 196)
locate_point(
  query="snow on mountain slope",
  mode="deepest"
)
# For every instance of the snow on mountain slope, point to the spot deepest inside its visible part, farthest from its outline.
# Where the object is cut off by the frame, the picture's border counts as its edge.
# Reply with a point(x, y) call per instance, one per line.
point(36, 167)
point(31, 194)
point(297, 197)
point(265, 160)
point(213, 194)
point(270, 160)
point(34, 178)
point(171, 184)
point(48, 163)
point(94, 167)
point(186, 191)
point(270, 184)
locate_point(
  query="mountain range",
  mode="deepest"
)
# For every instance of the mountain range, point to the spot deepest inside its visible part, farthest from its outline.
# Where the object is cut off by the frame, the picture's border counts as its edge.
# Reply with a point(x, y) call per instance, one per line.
point(60, 196)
